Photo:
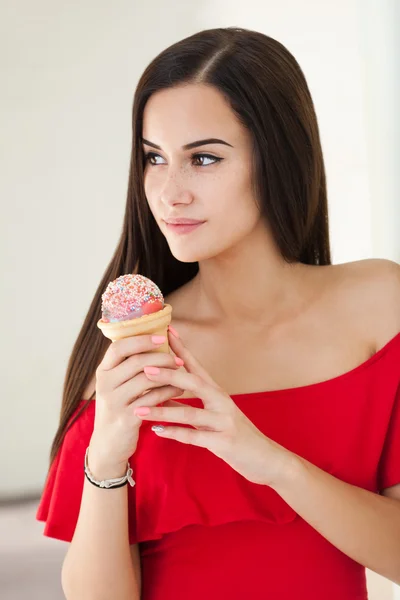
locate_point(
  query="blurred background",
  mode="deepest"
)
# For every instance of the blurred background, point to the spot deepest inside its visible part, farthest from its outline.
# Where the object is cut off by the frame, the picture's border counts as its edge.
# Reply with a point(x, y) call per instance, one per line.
point(69, 71)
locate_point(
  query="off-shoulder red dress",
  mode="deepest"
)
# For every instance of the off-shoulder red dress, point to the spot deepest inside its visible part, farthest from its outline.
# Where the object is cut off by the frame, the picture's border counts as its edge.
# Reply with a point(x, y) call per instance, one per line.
point(205, 532)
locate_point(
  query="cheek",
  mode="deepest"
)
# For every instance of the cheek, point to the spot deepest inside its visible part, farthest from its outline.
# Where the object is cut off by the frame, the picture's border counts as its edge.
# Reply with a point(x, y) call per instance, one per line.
point(147, 186)
point(238, 222)
point(234, 202)
point(150, 192)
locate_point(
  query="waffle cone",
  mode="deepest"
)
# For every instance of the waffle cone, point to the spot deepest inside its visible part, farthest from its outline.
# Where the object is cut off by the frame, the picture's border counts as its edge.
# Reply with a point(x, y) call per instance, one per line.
point(154, 324)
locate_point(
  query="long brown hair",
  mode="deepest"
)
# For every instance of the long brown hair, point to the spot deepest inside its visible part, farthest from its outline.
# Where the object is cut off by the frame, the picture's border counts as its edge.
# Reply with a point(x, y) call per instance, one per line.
point(267, 90)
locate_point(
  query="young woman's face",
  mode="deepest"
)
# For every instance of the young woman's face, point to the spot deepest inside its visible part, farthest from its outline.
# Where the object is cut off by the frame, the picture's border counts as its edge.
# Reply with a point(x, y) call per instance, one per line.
point(210, 182)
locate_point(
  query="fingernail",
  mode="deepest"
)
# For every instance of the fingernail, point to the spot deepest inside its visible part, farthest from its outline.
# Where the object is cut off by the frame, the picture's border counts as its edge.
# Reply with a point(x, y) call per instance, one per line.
point(158, 428)
point(151, 370)
point(142, 411)
point(173, 331)
point(179, 361)
point(158, 339)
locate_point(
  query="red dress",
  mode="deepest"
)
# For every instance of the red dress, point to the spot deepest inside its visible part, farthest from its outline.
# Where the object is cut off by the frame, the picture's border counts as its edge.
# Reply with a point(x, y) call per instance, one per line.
point(206, 532)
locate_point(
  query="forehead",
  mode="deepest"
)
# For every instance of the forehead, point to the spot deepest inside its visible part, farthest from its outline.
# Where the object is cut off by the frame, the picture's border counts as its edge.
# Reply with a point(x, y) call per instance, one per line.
point(189, 112)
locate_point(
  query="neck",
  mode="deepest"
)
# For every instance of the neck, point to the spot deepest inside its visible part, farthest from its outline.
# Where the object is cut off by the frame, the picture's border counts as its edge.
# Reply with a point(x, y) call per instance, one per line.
point(251, 284)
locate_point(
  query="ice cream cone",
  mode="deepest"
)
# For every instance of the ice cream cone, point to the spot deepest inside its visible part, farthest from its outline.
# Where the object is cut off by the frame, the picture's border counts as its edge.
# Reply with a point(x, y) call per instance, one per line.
point(154, 323)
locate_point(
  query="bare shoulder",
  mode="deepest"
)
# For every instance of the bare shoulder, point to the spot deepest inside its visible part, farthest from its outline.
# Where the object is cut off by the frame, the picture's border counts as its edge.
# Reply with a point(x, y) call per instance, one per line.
point(372, 290)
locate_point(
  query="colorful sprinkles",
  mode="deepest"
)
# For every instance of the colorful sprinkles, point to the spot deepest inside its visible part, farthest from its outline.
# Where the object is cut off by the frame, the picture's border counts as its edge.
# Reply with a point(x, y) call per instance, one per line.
point(129, 297)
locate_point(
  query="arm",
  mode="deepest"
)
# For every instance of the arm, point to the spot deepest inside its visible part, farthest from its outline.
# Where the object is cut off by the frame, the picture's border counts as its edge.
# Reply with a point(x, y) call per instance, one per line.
point(362, 524)
point(98, 564)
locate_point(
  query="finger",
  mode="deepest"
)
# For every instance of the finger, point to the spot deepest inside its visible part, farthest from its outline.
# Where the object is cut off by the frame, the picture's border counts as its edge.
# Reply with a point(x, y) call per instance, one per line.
point(137, 387)
point(186, 415)
point(173, 402)
point(161, 395)
point(210, 395)
point(203, 439)
point(119, 350)
point(135, 364)
point(192, 365)
point(147, 398)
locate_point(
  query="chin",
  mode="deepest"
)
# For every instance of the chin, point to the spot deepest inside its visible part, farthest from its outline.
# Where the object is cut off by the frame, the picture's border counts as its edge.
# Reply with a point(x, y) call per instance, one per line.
point(187, 257)
point(191, 255)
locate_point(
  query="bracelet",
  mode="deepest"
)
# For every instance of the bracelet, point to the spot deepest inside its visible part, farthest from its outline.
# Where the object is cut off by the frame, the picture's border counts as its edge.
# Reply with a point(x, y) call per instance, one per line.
point(108, 483)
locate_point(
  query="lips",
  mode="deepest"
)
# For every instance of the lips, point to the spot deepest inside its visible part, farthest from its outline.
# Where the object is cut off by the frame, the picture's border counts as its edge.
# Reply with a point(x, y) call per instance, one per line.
point(184, 227)
point(182, 221)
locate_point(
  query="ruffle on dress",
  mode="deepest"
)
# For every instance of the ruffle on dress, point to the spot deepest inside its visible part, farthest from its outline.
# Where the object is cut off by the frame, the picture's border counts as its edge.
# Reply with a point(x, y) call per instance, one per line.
point(176, 485)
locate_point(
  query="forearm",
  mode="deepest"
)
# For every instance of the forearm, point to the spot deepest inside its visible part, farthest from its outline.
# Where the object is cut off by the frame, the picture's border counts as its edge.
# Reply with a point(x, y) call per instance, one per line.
point(98, 563)
point(363, 525)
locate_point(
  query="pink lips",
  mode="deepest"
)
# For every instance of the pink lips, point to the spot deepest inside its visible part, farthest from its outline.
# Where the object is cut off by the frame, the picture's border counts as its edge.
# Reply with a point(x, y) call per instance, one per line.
point(180, 225)
point(183, 228)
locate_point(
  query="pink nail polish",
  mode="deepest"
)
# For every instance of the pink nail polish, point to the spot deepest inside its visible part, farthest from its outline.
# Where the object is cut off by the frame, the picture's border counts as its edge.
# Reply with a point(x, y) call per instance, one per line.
point(151, 370)
point(158, 339)
point(142, 411)
point(179, 361)
point(173, 331)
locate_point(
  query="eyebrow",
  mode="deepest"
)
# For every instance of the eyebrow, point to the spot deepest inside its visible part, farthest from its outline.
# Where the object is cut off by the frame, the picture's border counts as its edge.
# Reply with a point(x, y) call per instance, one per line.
point(192, 144)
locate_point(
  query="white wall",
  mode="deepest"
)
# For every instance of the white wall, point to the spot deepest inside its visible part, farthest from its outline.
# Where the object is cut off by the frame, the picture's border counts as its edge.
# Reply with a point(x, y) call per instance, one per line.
point(379, 22)
point(68, 74)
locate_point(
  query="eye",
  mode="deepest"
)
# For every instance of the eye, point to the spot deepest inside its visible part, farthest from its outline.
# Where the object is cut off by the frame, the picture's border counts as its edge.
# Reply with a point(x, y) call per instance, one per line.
point(152, 156)
point(215, 159)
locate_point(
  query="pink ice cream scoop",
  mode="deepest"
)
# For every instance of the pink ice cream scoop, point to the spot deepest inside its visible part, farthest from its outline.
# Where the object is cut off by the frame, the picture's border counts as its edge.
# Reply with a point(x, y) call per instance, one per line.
point(130, 297)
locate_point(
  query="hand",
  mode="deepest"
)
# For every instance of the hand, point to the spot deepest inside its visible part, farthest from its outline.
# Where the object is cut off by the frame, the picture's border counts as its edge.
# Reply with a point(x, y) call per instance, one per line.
point(120, 383)
point(220, 426)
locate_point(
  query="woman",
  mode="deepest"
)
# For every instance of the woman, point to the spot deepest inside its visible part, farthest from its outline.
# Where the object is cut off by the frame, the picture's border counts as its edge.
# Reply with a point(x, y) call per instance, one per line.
point(268, 479)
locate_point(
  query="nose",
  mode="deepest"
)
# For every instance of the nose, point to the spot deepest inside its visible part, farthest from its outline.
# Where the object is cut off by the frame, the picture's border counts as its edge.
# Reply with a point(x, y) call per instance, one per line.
point(174, 191)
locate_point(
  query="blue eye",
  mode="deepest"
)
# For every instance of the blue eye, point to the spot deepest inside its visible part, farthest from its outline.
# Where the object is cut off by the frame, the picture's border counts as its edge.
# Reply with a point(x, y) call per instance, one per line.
point(152, 155)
